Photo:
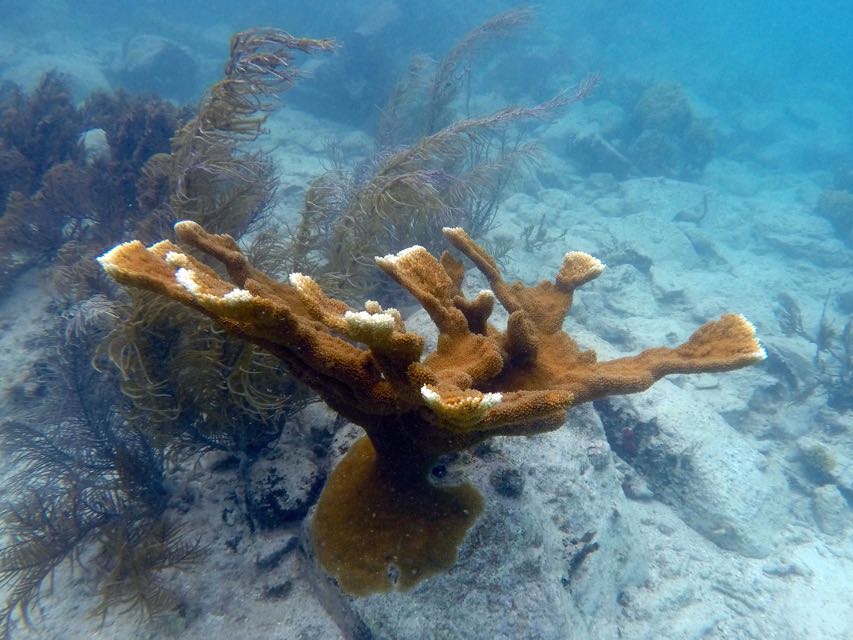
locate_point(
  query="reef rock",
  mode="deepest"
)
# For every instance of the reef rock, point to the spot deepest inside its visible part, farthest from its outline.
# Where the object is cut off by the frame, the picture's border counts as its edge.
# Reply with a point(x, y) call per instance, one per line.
point(702, 468)
point(831, 510)
point(554, 559)
point(282, 487)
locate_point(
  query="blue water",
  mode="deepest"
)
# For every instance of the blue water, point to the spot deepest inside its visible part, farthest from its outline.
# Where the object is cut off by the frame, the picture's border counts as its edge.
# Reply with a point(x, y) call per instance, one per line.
point(789, 41)
point(731, 54)
point(711, 168)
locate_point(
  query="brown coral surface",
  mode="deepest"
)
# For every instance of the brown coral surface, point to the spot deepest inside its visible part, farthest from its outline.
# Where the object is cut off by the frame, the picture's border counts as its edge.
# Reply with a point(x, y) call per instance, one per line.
point(479, 382)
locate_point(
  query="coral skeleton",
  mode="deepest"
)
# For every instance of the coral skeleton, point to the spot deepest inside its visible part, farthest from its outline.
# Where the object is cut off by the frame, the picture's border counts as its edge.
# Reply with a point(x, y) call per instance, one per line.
point(379, 509)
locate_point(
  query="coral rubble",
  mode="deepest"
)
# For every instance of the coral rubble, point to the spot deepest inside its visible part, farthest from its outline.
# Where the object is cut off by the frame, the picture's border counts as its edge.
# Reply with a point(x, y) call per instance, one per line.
point(378, 508)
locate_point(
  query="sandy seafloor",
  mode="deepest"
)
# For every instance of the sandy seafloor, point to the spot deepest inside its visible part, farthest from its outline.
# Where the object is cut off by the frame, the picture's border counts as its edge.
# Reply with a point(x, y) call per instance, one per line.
point(790, 574)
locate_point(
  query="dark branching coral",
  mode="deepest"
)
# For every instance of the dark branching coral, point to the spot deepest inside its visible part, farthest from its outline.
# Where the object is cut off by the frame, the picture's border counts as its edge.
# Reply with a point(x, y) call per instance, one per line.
point(156, 167)
point(57, 201)
point(38, 131)
point(535, 236)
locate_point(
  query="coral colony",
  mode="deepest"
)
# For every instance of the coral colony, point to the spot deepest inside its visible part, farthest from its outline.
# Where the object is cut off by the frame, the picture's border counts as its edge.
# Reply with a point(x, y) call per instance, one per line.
point(378, 507)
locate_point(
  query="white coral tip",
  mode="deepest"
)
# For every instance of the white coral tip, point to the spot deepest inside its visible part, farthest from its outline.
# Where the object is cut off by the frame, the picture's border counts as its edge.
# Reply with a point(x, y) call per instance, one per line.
point(177, 259)
point(760, 353)
point(383, 322)
point(491, 399)
point(371, 306)
point(236, 296)
point(107, 259)
point(431, 397)
point(187, 224)
point(186, 278)
point(394, 258)
point(299, 280)
point(593, 264)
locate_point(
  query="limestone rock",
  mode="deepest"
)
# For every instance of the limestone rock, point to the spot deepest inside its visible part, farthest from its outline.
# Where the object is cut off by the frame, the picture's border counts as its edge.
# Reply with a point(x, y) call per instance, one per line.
point(702, 468)
point(831, 510)
point(554, 558)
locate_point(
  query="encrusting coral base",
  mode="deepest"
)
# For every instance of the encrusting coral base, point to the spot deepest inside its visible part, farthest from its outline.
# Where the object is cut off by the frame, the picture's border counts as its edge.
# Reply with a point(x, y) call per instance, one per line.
point(365, 522)
point(379, 522)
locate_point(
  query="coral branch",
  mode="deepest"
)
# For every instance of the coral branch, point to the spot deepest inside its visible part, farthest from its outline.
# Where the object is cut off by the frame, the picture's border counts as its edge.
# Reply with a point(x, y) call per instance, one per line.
point(477, 383)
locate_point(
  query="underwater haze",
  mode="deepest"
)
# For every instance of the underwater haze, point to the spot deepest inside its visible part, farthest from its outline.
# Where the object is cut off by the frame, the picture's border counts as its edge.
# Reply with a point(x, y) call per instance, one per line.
point(260, 427)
